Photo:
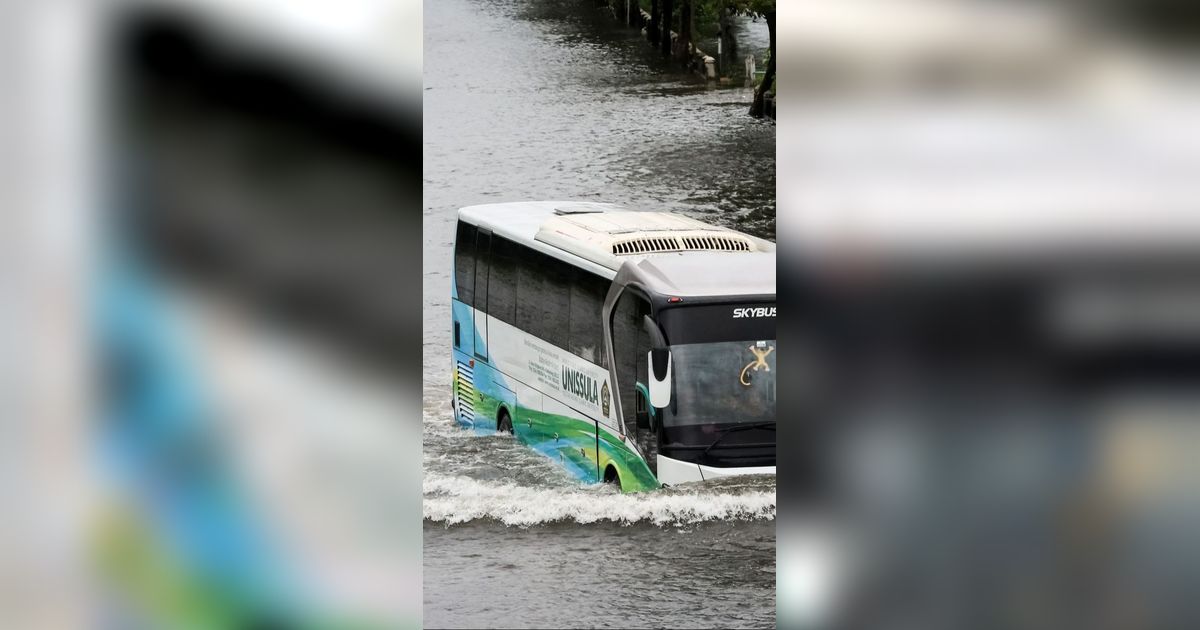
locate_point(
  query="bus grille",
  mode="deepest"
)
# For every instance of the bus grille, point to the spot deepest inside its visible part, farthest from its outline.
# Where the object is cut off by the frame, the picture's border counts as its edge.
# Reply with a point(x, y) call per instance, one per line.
point(704, 243)
point(465, 395)
point(715, 243)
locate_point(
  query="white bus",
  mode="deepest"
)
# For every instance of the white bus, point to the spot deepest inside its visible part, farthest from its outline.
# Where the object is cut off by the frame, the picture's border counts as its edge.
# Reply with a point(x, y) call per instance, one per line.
point(636, 348)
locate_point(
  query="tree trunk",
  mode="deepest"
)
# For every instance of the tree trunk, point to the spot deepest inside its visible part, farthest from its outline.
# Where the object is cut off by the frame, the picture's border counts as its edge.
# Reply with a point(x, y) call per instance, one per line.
point(655, 20)
point(685, 32)
point(668, 14)
point(757, 107)
point(728, 57)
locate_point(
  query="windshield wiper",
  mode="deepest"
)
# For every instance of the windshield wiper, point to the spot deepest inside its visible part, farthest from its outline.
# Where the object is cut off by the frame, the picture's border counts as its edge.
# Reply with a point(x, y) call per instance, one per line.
point(738, 427)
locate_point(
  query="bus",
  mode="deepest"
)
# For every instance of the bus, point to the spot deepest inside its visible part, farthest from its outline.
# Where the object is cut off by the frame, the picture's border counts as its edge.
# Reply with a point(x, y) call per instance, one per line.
point(633, 348)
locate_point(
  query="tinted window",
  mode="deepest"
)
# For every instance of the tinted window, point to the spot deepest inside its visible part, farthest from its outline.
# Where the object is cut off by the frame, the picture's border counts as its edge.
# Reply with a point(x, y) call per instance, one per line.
point(587, 300)
point(556, 301)
point(529, 291)
point(544, 295)
point(464, 262)
point(502, 282)
point(483, 247)
point(711, 323)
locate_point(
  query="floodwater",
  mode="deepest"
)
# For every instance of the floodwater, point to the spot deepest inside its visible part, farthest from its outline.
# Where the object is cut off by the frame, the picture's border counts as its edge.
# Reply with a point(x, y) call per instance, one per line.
point(553, 99)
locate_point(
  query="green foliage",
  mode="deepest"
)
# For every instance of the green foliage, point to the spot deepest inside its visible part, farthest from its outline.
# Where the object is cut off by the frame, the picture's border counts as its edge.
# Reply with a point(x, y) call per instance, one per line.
point(707, 13)
point(756, 8)
point(707, 16)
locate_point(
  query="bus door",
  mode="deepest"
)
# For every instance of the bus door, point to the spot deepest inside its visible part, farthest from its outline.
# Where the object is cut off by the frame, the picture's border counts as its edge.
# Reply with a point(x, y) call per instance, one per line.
point(631, 344)
point(483, 255)
point(646, 423)
point(645, 430)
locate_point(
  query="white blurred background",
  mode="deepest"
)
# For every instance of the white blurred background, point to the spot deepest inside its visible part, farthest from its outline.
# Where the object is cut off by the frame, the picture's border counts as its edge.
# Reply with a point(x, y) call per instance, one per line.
point(954, 125)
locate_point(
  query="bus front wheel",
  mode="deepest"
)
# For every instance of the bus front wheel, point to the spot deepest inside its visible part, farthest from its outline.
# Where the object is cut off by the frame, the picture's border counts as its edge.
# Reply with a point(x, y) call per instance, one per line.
point(611, 476)
point(504, 422)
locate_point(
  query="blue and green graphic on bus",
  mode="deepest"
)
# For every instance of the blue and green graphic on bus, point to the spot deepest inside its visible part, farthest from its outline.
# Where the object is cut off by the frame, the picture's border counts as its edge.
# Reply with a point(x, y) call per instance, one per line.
point(507, 377)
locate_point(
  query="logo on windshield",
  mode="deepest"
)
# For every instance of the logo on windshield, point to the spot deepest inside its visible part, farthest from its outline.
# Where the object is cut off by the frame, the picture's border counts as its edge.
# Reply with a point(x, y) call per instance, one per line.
point(760, 350)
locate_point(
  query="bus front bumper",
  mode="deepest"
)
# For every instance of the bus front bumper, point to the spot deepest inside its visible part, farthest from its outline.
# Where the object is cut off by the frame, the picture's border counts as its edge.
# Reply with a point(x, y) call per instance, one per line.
point(673, 471)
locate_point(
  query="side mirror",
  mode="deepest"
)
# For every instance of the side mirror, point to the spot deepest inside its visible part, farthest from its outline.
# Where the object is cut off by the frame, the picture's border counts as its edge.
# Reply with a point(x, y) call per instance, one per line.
point(658, 360)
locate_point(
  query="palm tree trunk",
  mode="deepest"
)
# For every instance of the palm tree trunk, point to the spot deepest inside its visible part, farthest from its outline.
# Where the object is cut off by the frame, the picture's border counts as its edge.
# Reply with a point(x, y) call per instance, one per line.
point(758, 106)
point(668, 14)
point(655, 20)
point(685, 31)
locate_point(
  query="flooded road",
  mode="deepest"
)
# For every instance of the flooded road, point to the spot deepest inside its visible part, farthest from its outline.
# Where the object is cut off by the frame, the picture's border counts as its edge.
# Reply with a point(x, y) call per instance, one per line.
point(553, 99)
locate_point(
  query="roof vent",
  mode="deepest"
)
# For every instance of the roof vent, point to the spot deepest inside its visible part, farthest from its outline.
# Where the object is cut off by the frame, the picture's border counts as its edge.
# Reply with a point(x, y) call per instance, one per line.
point(716, 243)
point(698, 243)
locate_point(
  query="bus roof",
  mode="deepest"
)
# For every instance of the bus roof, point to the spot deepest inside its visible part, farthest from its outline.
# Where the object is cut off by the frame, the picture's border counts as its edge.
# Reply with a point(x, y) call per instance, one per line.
point(704, 275)
point(676, 254)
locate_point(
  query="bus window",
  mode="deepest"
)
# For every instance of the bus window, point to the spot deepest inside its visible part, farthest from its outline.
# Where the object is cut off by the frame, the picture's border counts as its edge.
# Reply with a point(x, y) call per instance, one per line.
point(483, 248)
point(529, 291)
point(543, 296)
point(502, 282)
point(464, 263)
point(556, 301)
point(586, 333)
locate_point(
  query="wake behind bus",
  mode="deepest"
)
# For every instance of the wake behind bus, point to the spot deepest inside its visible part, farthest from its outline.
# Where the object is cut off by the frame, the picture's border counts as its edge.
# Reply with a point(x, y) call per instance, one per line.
point(635, 348)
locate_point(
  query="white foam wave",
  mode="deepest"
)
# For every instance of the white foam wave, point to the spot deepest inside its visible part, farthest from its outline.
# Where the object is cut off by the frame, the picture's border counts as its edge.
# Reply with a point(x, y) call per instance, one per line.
point(454, 500)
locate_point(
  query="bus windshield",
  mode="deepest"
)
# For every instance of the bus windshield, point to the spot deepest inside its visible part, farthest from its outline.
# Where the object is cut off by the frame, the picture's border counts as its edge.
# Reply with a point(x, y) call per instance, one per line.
point(724, 364)
point(722, 383)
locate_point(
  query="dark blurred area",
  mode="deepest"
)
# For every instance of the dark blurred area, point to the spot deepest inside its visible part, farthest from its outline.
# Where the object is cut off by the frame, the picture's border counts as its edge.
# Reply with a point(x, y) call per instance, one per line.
point(1002, 445)
point(258, 332)
point(989, 264)
point(282, 183)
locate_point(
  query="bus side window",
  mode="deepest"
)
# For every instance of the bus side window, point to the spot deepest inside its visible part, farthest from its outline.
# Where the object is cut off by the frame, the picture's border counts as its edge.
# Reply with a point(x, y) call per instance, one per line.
point(464, 263)
point(529, 291)
point(483, 250)
point(586, 333)
point(502, 283)
point(556, 301)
